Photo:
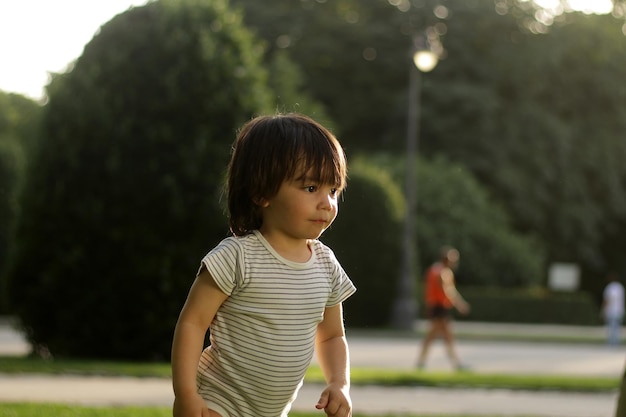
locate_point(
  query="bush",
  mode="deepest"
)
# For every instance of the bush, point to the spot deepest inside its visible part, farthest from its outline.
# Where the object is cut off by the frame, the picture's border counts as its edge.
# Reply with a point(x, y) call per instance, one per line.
point(122, 200)
point(19, 118)
point(11, 163)
point(365, 238)
point(454, 209)
point(530, 306)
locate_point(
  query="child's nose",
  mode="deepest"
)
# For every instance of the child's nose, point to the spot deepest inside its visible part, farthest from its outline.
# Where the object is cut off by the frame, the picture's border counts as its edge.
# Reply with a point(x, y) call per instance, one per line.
point(326, 201)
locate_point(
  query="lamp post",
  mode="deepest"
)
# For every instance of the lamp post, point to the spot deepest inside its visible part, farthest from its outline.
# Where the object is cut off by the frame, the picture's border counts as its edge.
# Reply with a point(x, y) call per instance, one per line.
point(405, 305)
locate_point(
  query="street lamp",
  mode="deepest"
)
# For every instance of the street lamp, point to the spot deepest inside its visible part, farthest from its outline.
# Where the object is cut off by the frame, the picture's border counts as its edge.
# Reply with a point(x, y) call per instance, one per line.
point(405, 305)
point(425, 60)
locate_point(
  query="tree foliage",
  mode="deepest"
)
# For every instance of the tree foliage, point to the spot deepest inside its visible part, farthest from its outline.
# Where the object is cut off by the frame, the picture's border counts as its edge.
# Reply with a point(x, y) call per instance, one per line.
point(354, 55)
point(287, 83)
point(536, 118)
point(125, 192)
point(123, 196)
point(18, 132)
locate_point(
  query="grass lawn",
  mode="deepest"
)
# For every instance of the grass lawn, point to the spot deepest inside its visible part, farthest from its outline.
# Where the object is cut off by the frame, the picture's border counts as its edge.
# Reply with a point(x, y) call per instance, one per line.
point(359, 376)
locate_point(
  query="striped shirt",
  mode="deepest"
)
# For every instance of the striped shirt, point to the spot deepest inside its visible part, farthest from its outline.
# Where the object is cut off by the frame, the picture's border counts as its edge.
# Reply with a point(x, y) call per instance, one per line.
point(262, 337)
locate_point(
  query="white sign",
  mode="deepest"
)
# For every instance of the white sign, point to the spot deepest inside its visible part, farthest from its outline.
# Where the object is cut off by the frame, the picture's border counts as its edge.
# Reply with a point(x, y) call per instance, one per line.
point(563, 277)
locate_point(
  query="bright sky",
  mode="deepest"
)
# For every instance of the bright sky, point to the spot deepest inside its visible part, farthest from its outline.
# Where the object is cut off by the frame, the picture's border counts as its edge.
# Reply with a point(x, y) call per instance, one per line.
point(587, 6)
point(42, 36)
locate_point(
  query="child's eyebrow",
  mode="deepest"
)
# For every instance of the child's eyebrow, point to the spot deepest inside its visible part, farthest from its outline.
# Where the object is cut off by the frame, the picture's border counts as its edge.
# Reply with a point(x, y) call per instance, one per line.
point(310, 178)
point(304, 180)
point(305, 177)
point(317, 181)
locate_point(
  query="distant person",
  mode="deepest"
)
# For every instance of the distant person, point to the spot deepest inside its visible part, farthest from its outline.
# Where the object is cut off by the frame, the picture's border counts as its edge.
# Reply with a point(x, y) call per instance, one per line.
point(613, 308)
point(272, 293)
point(441, 296)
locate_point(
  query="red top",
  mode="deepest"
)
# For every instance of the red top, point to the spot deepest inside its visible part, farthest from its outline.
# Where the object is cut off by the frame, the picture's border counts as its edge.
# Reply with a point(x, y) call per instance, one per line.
point(434, 293)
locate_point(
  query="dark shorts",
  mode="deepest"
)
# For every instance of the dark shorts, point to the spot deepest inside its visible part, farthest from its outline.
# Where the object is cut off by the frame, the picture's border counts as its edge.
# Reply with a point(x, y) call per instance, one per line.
point(438, 312)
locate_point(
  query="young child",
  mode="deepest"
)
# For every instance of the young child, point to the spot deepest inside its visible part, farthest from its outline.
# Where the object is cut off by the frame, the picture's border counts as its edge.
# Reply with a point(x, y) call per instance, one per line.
point(272, 293)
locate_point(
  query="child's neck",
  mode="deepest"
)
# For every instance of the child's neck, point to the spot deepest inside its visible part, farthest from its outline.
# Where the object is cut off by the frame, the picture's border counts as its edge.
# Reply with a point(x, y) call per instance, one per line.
point(295, 250)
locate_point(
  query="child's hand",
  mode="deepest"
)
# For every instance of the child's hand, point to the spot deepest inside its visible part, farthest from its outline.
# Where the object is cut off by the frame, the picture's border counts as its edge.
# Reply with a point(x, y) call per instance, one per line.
point(335, 401)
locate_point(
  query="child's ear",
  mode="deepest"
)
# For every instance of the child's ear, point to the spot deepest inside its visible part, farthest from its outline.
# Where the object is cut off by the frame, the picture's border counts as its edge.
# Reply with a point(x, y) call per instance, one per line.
point(261, 201)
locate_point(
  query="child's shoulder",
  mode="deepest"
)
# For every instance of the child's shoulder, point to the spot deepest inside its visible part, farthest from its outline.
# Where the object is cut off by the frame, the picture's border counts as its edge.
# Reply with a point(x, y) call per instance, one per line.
point(321, 249)
point(235, 243)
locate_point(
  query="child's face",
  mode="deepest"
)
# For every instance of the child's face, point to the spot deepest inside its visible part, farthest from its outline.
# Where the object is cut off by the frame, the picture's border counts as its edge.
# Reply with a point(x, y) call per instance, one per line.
point(302, 209)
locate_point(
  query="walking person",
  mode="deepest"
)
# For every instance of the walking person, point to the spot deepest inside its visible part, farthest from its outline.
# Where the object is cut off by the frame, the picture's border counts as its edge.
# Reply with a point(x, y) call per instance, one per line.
point(272, 293)
point(441, 297)
point(613, 308)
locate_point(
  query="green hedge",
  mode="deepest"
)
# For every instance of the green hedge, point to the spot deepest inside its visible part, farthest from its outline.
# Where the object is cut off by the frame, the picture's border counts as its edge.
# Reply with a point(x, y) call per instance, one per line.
point(122, 198)
point(530, 306)
point(365, 239)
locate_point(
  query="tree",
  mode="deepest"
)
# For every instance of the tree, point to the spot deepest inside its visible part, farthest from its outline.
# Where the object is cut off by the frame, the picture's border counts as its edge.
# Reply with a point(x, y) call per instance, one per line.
point(287, 83)
point(541, 130)
point(516, 108)
point(584, 92)
point(18, 123)
point(123, 197)
point(355, 56)
point(518, 111)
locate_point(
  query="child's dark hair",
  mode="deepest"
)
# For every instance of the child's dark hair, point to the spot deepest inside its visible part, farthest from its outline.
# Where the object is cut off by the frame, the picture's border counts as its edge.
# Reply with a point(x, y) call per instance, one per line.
point(270, 150)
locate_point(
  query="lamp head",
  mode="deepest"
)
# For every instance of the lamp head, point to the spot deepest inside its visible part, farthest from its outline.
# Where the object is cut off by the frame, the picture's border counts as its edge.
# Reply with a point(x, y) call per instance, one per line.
point(425, 60)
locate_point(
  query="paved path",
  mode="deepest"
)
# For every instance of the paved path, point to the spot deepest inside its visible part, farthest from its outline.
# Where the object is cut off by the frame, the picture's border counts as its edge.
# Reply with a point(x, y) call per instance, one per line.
point(494, 357)
point(371, 400)
point(366, 351)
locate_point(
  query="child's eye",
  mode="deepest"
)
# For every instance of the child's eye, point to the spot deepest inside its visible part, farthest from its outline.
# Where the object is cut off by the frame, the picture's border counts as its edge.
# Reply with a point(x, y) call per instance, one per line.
point(334, 191)
point(311, 188)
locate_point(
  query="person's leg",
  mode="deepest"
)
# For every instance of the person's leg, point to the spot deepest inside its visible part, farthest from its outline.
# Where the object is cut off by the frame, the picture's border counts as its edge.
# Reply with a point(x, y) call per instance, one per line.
point(434, 329)
point(448, 337)
point(610, 329)
point(613, 329)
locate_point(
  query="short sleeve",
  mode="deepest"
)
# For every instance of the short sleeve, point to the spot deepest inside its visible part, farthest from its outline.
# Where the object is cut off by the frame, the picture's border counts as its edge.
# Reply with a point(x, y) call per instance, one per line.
point(341, 285)
point(225, 264)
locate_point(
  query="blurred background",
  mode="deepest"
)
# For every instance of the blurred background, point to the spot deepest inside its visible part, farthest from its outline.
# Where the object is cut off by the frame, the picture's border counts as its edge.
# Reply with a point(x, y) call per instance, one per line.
point(511, 148)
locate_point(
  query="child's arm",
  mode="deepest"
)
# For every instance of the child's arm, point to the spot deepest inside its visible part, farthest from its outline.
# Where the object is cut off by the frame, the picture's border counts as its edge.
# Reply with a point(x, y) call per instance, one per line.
point(332, 354)
point(202, 303)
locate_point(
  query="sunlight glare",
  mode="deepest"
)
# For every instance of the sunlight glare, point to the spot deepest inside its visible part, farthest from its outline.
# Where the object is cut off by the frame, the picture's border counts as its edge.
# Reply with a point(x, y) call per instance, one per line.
point(592, 6)
point(585, 6)
point(547, 4)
